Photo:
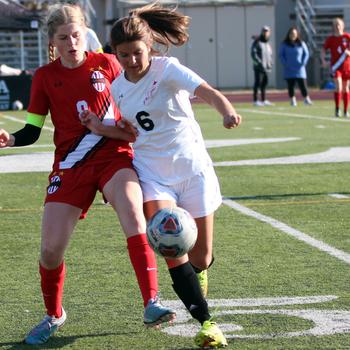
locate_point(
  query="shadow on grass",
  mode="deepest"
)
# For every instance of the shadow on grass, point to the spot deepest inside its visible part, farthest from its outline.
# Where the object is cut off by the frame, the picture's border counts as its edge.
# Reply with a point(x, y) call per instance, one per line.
point(57, 342)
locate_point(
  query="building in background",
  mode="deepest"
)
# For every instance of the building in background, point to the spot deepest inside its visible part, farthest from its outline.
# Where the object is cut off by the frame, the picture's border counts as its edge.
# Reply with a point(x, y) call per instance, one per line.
point(220, 33)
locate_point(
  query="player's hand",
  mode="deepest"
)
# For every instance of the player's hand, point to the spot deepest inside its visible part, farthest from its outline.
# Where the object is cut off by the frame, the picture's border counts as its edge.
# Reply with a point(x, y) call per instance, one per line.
point(90, 120)
point(6, 140)
point(128, 127)
point(347, 51)
point(232, 121)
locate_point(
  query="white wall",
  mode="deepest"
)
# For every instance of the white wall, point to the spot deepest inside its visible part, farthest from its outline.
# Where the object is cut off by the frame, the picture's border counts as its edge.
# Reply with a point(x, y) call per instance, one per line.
point(220, 40)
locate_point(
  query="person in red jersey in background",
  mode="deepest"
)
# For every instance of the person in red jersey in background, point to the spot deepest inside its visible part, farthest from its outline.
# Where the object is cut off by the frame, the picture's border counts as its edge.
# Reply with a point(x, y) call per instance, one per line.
point(83, 164)
point(339, 46)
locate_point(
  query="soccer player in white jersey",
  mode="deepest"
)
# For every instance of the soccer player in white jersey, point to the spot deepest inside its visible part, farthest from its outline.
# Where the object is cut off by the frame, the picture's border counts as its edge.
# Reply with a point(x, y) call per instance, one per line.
point(172, 163)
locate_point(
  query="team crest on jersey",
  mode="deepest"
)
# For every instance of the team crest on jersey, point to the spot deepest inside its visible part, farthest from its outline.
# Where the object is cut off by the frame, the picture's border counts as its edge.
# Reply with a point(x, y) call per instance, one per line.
point(98, 81)
point(55, 184)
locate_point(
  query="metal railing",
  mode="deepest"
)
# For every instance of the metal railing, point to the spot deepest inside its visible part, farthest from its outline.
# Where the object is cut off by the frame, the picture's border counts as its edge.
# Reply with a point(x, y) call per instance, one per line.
point(23, 49)
point(305, 15)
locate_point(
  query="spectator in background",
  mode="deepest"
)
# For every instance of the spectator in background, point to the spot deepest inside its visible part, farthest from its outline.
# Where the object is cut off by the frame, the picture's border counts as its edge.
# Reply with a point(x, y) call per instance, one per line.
point(338, 44)
point(261, 53)
point(294, 55)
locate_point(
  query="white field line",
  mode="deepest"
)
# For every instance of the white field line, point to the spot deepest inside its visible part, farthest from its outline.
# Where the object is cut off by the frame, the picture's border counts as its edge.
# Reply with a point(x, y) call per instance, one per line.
point(18, 120)
point(337, 253)
point(338, 195)
point(295, 115)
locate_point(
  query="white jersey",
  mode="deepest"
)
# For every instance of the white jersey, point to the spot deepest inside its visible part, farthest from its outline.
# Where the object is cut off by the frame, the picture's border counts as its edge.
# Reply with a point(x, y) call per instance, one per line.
point(169, 148)
point(92, 43)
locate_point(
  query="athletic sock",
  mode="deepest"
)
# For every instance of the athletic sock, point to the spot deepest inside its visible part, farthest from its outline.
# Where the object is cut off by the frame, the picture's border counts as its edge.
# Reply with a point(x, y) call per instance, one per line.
point(52, 282)
point(337, 98)
point(186, 286)
point(145, 266)
point(345, 101)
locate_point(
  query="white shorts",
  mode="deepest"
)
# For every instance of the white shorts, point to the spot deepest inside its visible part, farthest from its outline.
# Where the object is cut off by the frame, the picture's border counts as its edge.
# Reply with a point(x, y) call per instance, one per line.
point(200, 195)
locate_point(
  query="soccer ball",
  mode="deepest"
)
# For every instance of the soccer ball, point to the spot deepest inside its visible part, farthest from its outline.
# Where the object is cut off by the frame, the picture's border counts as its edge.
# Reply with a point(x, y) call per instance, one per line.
point(17, 105)
point(172, 232)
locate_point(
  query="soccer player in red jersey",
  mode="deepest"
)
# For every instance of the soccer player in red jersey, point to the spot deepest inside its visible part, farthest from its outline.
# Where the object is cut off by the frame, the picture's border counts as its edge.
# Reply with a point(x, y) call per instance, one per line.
point(84, 163)
point(339, 46)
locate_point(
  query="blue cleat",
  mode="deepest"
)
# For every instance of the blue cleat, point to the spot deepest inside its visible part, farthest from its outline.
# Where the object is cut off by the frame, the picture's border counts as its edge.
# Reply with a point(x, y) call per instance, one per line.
point(156, 313)
point(41, 333)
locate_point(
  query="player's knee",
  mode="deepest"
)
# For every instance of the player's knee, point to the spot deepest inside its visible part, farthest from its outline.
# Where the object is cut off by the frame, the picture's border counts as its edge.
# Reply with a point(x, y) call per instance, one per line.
point(203, 262)
point(50, 258)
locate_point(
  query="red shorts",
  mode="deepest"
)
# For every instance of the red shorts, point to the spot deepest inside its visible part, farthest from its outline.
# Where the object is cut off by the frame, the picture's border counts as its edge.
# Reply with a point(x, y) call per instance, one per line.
point(344, 74)
point(78, 186)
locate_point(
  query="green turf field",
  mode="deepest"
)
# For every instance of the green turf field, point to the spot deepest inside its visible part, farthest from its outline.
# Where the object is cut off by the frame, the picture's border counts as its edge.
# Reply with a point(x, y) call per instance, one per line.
point(281, 279)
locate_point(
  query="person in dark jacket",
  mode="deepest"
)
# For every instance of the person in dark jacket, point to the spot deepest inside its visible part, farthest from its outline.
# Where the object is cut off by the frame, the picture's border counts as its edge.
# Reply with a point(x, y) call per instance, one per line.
point(294, 55)
point(261, 53)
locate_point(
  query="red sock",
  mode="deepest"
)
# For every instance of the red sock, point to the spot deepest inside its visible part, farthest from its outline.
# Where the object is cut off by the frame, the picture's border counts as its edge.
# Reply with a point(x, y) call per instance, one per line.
point(346, 101)
point(52, 282)
point(337, 98)
point(145, 265)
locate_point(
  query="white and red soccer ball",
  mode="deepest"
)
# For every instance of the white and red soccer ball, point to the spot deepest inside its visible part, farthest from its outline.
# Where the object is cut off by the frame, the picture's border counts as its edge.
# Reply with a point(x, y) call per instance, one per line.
point(172, 232)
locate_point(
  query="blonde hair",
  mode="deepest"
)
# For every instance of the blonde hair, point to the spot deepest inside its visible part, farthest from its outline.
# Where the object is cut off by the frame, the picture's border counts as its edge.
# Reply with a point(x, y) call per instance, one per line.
point(338, 20)
point(60, 14)
point(151, 24)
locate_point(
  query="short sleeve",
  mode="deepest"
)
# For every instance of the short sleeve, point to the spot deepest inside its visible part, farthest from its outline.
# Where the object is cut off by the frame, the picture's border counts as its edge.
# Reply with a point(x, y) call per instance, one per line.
point(179, 77)
point(39, 100)
point(326, 43)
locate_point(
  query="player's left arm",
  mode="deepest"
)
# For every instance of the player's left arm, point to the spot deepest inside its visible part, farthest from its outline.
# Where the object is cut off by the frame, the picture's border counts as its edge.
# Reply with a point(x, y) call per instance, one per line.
point(217, 100)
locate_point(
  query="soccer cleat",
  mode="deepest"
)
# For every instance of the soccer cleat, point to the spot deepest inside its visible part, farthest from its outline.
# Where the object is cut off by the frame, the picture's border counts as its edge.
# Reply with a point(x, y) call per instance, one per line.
point(203, 282)
point(337, 113)
point(293, 102)
point(258, 104)
point(307, 101)
point(346, 115)
point(155, 313)
point(41, 333)
point(268, 103)
point(210, 336)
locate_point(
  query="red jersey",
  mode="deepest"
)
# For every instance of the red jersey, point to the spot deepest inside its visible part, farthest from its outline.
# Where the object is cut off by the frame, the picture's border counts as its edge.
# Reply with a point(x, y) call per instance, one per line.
point(65, 92)
point(337, 45)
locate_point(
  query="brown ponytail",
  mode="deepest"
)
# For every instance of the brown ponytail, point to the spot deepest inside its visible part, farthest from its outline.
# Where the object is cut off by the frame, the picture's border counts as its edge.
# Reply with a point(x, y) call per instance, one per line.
point(152, 23)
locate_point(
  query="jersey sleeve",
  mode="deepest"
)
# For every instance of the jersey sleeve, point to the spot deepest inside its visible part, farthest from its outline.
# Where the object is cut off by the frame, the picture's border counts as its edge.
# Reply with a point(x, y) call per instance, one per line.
point(180, 77)
point(326, 44)
point(39, 100)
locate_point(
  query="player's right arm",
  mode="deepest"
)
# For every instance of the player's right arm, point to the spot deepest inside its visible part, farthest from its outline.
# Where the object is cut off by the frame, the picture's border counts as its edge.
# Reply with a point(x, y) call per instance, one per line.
point(25, 136)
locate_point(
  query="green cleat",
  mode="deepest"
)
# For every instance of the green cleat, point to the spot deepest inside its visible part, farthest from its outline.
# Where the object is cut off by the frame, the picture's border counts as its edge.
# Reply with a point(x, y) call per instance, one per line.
point(203, 282)
point(210, 336)
point(41, 333)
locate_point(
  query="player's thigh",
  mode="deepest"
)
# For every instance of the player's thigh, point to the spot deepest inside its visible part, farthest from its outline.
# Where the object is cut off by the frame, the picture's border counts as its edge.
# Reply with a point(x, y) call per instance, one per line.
point(157, 196)
point(58, 222)
point(124, 193)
